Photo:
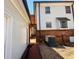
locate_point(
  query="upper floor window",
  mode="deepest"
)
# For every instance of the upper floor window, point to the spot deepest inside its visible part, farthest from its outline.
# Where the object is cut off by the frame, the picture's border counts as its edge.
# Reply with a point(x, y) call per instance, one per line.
point(47, 10)
point(48, 25)
point(63, 23)
point(68, 10)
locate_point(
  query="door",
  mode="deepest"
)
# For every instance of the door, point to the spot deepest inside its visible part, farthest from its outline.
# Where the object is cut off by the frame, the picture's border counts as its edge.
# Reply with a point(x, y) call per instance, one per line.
point(51, 41)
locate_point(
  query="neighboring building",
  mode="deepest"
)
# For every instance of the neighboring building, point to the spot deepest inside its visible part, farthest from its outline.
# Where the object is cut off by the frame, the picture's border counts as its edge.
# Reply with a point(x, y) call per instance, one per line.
point(17, 21)
point(32, 27)
point(55, 21)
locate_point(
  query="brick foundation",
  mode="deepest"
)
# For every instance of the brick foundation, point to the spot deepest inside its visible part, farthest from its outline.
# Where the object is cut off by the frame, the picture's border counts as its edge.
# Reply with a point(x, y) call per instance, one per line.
point(58, 35)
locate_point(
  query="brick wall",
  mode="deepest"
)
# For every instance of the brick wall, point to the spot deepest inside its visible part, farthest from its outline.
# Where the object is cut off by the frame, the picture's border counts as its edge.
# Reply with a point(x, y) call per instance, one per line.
point(57, 33)
point(32, 18)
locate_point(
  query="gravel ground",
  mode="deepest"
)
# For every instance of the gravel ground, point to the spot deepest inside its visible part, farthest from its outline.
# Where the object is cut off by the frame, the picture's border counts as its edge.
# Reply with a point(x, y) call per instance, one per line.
point(48, 53)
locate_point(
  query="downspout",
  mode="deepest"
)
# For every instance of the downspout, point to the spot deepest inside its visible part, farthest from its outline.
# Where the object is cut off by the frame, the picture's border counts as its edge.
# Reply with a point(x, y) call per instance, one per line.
point(72, 11)
point(39, 22)
point(29, 31)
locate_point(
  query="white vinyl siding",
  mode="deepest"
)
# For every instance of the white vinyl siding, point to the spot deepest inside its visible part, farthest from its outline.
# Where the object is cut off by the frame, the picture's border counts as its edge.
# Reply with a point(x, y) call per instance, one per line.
point(57, 10)
point(17, 31)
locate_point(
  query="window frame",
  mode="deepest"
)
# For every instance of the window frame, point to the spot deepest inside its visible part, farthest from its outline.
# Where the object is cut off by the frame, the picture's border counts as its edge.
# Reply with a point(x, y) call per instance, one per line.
point(48, 25)
point(64, 25)
point(68, 9)
point(47, 10)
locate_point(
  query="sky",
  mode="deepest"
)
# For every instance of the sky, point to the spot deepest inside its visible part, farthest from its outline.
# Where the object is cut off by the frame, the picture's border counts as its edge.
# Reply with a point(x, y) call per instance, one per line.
point(30, 4)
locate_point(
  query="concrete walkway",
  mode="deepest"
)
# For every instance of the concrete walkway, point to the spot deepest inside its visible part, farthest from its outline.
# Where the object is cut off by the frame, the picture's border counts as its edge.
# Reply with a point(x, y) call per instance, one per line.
point(40, 51)
point(48, 53)
point(32, 41)
point(66, 52)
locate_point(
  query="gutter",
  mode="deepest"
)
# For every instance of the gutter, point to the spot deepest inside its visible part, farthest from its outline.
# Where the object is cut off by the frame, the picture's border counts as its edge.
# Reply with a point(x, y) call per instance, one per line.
point(26, 7)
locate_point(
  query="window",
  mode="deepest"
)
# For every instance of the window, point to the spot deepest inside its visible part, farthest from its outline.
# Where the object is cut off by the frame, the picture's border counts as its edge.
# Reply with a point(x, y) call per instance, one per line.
point(68, 10)
point(47, 10)
point(63, 23)
point(48, 25)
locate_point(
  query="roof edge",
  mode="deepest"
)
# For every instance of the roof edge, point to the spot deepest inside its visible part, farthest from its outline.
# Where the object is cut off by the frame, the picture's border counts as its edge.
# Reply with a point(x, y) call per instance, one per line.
point(53, 1)
point(26, 7)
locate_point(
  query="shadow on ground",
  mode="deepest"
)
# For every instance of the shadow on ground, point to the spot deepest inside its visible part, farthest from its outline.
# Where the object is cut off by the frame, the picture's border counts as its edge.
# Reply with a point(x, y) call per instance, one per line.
point(49, 53)
point(40, 51)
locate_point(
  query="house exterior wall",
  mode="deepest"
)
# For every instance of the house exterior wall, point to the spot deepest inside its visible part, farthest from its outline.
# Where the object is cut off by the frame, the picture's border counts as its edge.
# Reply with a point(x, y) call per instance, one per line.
point(68, 0)
point(56, 10)
point(32, 25)
point(57, 34)
point(17, 35)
